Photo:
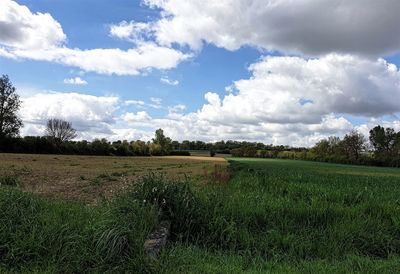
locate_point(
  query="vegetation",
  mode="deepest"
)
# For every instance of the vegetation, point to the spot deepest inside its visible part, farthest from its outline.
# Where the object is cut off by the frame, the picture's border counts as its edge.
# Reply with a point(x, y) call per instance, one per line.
point(10, 103)
point(272, 216)
point(60, 131)
point(91, 179)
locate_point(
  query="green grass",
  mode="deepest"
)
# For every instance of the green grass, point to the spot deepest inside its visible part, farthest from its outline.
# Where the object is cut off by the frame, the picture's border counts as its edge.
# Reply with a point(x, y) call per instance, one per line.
point(273, 216)
point(54, 236)
point(299, 216)
point(8, 181)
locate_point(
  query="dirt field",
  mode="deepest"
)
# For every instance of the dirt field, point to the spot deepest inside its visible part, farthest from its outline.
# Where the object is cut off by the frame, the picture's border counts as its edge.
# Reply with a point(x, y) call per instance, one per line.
point(89, 178)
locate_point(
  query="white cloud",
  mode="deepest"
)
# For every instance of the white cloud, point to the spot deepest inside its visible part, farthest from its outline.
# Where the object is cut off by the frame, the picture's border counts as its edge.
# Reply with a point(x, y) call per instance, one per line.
point(130, 31)
point(107, 61)
point(156, 102)
point(280, 86)
point(24, 35)
point(22, 29)
point(87, 113)
point(176, 112)
point(291, 100)
point(75, 81)
point(287, 100)
point(168, 81)
point(140, 116)
point(312, 27)
point(139, 103)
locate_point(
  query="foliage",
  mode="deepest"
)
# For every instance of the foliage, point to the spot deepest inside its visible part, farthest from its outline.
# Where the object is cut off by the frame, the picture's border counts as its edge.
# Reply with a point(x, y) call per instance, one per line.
point(10, 103)
point(162, 144)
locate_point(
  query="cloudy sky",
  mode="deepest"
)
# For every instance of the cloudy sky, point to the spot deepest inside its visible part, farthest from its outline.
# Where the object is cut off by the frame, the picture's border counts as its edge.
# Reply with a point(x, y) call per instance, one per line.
point(275, 71)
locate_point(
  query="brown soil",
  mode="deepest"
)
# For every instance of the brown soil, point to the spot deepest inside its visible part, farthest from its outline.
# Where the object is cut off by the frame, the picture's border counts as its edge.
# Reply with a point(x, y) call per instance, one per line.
point(89, 178)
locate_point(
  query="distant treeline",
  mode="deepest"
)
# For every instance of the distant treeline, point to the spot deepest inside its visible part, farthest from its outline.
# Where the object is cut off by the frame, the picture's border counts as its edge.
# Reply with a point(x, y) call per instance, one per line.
point(47, 145)
point(44, 145)
point(381, 149)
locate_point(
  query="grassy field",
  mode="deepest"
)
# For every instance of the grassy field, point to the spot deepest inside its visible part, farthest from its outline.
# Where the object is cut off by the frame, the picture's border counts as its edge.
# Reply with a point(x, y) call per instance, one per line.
point(272, 216)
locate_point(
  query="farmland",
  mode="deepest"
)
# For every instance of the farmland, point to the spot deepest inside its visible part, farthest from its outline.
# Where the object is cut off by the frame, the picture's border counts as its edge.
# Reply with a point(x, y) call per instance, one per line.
point(272, 216)
point(89, 178)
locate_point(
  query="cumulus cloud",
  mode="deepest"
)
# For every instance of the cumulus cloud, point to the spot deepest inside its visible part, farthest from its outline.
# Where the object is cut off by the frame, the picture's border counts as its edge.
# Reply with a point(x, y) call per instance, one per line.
point(312, 27)
point(297, 90)
point(286, 100)
point(38, 36)
point(20, 28)
point(75, 81)
point(87, 113)
point(292, 100)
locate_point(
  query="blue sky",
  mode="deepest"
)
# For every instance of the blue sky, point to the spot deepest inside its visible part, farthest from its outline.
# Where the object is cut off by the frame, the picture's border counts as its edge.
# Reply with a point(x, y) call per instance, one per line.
point(234, 70)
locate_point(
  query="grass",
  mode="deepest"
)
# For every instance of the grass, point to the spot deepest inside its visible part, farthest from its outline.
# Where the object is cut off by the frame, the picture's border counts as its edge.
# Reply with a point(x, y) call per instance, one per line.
point(8, 180)
point(56, 236)
point(272, 216)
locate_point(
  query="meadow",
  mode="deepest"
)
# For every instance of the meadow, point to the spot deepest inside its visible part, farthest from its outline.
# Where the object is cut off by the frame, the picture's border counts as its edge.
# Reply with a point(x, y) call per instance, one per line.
point(267, 216)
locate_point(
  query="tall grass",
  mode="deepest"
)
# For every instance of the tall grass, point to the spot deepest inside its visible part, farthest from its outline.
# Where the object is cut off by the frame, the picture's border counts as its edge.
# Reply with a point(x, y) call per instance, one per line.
point(50, 235)
point(276, 213)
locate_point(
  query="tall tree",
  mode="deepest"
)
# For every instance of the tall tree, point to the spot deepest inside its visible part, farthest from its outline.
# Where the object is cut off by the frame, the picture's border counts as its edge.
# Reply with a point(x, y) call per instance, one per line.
point(10, 103)
point(383, 140)
point(163, 141)
point(353, 145)
point(60, 131)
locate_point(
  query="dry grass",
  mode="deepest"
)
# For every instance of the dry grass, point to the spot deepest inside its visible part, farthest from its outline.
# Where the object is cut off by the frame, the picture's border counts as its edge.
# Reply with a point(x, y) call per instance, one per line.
point(89, 178)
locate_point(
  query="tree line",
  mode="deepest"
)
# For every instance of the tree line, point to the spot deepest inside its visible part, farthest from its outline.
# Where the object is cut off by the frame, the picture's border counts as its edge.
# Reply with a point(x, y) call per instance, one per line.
point(381, 148)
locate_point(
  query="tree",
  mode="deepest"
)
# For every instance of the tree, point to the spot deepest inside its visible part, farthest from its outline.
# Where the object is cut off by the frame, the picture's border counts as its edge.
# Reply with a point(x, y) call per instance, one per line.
point(163, 141)
point(386, 144)
point(60, 131)
point(383, 140)
point(353, 144)
point(10, 103)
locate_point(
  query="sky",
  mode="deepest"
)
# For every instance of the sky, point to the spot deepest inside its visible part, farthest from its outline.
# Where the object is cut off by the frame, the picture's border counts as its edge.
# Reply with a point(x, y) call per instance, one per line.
point(274, 71)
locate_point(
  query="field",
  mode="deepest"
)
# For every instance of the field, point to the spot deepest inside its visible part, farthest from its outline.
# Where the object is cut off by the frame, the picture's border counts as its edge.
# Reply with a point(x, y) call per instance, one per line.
point(89, 178)
point(272, 216)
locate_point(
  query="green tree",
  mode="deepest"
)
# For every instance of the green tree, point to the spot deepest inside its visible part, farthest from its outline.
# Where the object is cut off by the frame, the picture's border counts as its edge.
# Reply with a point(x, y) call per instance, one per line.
point(383, 140)
point(353, 144)
point(140, 148)
point(163, 141)
point(10, 103)
point(386, 144)
point(155, 149)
